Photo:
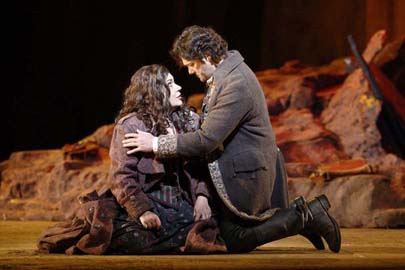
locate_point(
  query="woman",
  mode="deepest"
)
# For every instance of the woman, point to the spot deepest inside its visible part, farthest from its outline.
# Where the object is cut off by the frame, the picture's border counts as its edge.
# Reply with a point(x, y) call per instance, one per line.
point(156, 196)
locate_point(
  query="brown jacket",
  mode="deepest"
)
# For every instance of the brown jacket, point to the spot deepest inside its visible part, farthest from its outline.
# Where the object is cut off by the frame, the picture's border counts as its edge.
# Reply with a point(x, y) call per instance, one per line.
point(238, 140)
point(133, 175)
point(89, 232)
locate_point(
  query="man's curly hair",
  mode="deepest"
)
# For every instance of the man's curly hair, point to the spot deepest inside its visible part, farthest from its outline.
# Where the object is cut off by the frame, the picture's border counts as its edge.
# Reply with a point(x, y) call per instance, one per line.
point(148, 96)
point(196, 43)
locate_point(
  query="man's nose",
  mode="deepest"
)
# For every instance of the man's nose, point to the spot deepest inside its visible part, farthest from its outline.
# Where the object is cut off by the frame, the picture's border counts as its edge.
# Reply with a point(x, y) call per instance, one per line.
point(190, 71)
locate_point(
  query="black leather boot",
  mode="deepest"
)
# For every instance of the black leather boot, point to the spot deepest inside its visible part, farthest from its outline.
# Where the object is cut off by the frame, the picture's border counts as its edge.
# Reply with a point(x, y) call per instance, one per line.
point(322, 224)
point(242, 236)
point(284, 223)
point(314, 238)
point(309, 219)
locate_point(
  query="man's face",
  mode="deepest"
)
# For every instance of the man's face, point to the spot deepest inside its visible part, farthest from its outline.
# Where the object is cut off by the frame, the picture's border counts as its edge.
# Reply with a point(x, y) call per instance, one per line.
point(202, 69)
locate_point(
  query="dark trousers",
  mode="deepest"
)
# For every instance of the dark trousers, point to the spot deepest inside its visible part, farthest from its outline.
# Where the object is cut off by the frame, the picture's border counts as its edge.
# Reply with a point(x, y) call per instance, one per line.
point(237, 233)
point(243, 236)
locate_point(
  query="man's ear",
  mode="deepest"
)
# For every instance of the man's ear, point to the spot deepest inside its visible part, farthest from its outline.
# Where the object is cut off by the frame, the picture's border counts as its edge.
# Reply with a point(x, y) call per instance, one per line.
point(207, 59)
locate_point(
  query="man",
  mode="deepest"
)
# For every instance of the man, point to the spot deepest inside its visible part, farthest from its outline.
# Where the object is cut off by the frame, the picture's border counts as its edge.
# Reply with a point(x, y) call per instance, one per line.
point(237, 141)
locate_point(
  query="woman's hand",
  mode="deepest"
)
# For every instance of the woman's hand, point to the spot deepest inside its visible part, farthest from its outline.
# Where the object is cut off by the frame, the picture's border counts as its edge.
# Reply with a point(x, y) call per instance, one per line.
point(202, 209)
point(138, 142)
point(150, 220)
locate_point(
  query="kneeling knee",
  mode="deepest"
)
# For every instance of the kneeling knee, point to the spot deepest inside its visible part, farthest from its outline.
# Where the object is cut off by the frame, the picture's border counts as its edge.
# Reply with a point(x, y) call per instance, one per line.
point(241, 242)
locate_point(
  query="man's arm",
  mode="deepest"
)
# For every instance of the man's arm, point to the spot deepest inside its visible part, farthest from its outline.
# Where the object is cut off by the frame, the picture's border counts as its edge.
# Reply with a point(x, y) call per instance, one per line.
point(232, 105)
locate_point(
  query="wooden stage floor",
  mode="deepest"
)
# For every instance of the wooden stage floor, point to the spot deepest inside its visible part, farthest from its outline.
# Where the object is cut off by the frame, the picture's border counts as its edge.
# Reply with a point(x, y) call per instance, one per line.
point(361, 249)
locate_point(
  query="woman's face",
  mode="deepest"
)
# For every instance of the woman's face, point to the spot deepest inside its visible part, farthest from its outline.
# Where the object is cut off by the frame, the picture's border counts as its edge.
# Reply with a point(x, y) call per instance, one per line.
point(175, 95)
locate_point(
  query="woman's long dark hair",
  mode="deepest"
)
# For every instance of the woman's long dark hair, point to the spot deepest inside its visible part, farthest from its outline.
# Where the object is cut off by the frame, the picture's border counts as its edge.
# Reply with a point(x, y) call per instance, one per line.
point(148, 96)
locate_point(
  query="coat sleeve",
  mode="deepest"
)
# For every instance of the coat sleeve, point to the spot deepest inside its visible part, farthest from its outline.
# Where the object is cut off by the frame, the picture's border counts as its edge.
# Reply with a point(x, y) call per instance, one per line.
point(232, 104)
point(195, 167)
point(198, 175)
point(202, 188)
point(124, 177)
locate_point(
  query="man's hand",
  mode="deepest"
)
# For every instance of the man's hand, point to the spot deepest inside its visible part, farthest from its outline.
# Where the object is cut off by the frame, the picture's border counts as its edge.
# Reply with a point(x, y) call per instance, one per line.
point(202, 209)
point(139, 142)
point(150, 220)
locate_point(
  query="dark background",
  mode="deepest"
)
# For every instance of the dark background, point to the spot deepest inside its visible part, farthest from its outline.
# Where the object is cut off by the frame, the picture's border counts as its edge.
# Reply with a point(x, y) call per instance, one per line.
point(67, 62)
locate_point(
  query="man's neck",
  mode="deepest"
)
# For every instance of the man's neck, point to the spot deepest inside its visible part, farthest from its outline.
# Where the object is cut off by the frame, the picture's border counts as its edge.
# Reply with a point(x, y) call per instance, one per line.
point(211, 79)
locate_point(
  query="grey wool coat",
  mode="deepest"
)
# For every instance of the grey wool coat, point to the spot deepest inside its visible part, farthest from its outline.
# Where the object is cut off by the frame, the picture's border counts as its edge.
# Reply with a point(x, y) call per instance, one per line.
point(237, 139)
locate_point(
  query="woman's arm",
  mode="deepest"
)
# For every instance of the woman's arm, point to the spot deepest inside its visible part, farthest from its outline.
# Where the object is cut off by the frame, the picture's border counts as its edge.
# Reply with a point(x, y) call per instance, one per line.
point(198, 173)
point(124, 176)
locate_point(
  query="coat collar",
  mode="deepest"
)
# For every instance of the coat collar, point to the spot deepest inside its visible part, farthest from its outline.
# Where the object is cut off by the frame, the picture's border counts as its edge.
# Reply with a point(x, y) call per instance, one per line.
point(232, 60)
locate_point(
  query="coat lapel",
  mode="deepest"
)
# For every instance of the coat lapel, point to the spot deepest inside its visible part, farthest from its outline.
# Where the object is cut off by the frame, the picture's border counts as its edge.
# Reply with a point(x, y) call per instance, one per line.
point(232, 61)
